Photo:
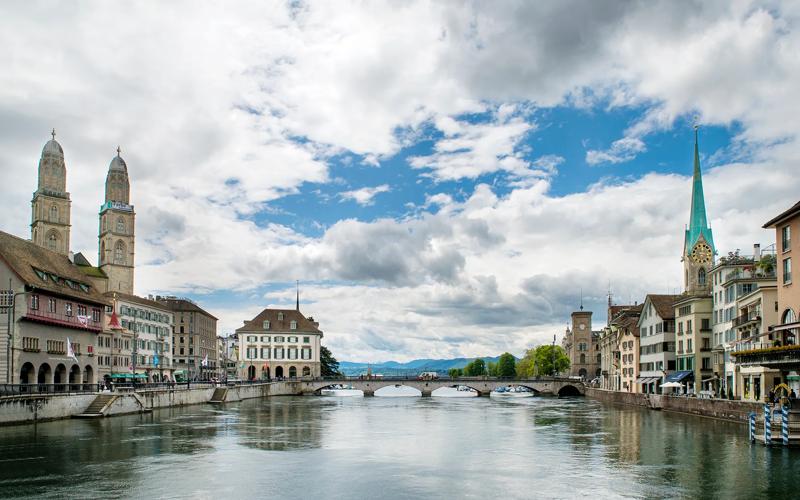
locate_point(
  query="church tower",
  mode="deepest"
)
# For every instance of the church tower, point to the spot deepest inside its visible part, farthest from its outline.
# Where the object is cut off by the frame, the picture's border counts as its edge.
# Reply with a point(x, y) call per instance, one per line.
point(50, 215)
point(698, 245)
point(117, 229)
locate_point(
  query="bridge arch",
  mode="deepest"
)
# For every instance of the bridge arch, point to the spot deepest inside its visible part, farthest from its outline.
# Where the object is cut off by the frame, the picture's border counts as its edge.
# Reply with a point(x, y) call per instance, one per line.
point(569, 390)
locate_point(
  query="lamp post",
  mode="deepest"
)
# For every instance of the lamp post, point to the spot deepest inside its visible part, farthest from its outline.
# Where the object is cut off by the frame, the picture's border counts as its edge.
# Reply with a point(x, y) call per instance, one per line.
point(11, 323)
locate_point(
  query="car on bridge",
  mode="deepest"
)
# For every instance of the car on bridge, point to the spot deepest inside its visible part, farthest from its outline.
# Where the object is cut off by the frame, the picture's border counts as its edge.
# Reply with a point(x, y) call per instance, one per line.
point(428, 376)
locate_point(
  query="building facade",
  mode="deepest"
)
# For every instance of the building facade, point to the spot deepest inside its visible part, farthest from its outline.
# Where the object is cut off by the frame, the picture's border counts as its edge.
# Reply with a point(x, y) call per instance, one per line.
point(194, 339)
point(582, 346)
point(778, 349)
point(656, 325)
point(51, 205)
point(693, 309)
point(279, 343)
point(149, 324)
point(56, 317)
point(116, 233)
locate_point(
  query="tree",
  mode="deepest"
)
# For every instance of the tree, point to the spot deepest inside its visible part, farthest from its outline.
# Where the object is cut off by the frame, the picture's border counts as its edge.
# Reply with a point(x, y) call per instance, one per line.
point(475, 368)
point(455, 372)
point(539, 361)
point(491, 369)
point(506, 366)
point(329, 366)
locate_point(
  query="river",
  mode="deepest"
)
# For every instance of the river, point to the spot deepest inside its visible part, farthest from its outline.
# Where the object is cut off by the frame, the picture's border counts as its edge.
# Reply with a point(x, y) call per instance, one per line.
point(314, 447)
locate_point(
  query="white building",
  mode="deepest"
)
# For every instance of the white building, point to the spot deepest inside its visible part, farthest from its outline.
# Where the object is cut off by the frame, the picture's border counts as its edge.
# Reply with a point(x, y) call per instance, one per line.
point(151, 324)
point(656, 342)
point(279, 343)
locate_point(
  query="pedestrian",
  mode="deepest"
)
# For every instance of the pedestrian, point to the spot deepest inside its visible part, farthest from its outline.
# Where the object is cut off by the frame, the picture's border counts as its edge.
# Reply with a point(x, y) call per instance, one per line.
point(792, 395)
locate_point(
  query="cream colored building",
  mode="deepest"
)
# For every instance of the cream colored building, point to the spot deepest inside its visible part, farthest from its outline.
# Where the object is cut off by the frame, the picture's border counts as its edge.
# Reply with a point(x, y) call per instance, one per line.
point(279, 343)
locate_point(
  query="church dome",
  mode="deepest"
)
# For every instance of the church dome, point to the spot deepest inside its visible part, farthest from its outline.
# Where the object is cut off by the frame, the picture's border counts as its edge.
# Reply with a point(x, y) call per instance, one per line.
point(52, 147)
point(118, 164)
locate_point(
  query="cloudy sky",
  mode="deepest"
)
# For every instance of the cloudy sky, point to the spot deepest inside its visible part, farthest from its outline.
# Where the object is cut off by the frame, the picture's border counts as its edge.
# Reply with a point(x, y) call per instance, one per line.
point(444, 178)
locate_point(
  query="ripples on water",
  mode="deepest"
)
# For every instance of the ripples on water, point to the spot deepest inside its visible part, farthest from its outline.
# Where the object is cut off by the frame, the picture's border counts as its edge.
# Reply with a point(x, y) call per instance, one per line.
point(313, 447)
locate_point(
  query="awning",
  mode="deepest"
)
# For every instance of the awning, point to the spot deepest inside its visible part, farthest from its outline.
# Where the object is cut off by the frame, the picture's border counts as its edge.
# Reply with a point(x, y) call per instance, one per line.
point(709, 379)
point(647, 380)
point(679, 376)
point(787, 326)
point(128, 375)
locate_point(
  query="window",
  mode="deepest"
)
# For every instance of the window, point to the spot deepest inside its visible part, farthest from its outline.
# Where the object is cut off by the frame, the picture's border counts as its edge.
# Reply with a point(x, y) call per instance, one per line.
point(34, 302)
point(583, 359)
point(701, 277)
point(292, 340)
point(52, 241)
point(68, 308)
point(252, 352)
point(786, 238)
point(121, 225)
point(82, 310)
point(306, 353)
point(119, 253)
point(683, 311)
point(279, 352)
point(306, 340)
point(292, 353)
point(689, 327)
point(293, 325)
point(54, 213)
point(265, 353)
point(705, 324)
point(252, 338)
point(787, 270)
point(265, 339)
point(266, 325)
point(279, 339)
point(280, 316)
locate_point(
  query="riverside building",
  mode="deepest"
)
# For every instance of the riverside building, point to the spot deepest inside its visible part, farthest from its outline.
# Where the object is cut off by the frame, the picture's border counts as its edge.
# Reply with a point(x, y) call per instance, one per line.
point(279, 343)
point(656, 325)
point(194, 338)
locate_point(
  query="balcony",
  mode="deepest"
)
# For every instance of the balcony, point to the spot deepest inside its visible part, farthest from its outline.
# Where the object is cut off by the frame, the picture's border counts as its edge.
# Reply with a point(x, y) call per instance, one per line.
point(762, 354)
point(61, 319)
point(745, 319)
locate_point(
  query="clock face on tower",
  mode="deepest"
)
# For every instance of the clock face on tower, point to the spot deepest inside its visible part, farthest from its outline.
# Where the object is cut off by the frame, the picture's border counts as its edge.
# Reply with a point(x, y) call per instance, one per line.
point(701, 254)
point(582, 326)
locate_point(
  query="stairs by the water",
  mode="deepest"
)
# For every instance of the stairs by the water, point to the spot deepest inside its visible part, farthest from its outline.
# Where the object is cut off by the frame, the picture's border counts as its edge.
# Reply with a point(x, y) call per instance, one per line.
point(95, 410)
point(219, 395)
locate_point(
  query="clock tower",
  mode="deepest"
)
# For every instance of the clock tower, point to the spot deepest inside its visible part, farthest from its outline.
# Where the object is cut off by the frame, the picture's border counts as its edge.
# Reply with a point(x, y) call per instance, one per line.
point(116, 234)
point(698, 245)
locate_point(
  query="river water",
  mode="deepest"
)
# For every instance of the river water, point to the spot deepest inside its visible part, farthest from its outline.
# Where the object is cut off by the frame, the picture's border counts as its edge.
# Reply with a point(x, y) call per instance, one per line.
point(315, 447)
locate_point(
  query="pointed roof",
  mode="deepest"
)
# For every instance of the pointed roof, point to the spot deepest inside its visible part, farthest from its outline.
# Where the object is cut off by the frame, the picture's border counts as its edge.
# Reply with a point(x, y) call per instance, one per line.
point(280, 321)
point(698, 223)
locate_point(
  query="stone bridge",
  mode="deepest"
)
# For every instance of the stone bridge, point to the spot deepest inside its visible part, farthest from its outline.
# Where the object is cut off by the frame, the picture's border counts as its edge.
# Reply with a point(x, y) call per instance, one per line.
point(541, 386)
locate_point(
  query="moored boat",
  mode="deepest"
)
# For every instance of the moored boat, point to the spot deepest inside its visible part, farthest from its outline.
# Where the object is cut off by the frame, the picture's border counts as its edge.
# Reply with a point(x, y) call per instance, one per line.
point(516, 391)
point(340, 390)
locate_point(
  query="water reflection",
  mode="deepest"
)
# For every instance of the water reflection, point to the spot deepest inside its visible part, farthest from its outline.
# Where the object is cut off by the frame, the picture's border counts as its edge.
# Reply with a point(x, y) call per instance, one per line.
point(393, 448)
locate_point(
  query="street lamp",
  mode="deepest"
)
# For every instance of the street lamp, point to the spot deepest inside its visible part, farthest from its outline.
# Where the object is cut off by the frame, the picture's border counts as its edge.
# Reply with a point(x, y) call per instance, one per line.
point(11, 323)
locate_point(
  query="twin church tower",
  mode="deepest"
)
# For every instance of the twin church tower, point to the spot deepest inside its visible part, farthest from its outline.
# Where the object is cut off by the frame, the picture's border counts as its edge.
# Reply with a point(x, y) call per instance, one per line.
point(51, 220)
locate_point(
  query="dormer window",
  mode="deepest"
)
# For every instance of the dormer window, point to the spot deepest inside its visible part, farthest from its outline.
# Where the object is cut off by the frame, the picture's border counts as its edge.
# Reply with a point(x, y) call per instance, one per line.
point(293, 325)
point(280, 316)
point(266, 325)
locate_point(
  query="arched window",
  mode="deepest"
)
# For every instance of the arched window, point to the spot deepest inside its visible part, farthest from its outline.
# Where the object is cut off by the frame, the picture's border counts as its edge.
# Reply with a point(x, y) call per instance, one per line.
point(52, 240)
point(119, 253)
point(53, 213)
point(701, 277)
point(788, 316)
point(598, 358)
point(121, 225)
point(583, 359)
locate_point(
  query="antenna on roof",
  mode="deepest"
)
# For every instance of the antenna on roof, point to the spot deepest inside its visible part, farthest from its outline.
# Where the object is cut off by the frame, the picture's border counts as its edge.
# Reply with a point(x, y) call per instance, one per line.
point(297, 284)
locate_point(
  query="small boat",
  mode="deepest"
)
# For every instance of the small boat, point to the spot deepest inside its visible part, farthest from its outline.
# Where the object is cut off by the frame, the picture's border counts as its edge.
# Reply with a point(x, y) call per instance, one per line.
point(516, 391)
point(339, 390)
point(461, 391)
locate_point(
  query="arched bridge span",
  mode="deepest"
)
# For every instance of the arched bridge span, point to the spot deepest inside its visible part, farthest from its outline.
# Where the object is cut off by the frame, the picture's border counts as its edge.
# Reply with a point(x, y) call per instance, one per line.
point(542, 386)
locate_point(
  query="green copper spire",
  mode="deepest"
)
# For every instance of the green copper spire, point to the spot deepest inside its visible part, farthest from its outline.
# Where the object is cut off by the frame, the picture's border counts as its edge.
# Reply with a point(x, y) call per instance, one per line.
point(698, 224)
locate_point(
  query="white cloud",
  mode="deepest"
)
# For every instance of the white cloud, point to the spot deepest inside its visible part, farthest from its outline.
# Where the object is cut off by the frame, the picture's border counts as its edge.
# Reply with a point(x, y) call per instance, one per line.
point(364, 196)
point(621, 150)
point(223, 109)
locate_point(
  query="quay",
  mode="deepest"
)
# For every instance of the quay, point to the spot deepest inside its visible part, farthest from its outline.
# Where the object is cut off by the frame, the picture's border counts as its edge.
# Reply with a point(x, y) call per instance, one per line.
point(30, 403)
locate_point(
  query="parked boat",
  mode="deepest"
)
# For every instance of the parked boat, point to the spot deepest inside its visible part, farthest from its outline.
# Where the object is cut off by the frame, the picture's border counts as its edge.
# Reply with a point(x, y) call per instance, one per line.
point(461, 391)
point(339, 390)
point(516, 391)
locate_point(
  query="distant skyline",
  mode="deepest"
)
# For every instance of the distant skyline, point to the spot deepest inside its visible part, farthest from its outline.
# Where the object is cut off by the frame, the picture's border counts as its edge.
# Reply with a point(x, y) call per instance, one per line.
point(443, 178)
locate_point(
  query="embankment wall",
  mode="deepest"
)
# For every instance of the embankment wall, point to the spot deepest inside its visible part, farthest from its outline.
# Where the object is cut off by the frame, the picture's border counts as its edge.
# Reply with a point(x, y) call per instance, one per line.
point(736, 411)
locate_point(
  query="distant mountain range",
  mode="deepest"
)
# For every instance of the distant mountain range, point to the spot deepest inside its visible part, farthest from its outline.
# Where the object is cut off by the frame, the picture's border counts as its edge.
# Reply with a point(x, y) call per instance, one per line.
point(410, 367)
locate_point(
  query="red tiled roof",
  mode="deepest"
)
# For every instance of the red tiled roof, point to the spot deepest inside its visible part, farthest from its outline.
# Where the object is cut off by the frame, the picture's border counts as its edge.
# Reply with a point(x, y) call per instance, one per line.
point(275, 325)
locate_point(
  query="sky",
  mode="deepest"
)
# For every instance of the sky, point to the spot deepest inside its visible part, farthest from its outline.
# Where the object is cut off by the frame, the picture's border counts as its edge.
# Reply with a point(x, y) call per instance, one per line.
point(443, 178)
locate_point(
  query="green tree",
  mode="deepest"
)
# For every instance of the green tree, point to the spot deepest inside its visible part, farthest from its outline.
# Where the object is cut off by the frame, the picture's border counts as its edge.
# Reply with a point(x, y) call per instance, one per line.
point(540, 361)
point(455, 372)
point(475, 368)
point(329, 366)
point(506, 366)
point(491, 369)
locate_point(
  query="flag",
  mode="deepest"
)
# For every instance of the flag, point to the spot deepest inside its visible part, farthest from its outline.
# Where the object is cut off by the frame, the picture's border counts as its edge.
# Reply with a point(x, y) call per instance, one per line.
point(83, 320)
point(155, 360)
point(71, 351)
point(205, 361)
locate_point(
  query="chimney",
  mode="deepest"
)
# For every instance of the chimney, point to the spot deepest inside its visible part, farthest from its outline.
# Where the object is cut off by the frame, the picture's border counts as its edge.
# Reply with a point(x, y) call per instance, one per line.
point(757, 251)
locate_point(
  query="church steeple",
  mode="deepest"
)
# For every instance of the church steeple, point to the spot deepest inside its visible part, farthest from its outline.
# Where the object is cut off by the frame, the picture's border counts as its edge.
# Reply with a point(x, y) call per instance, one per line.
point(698, 245)
point(117, 228)
point(51, 205)
point(698, 223)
